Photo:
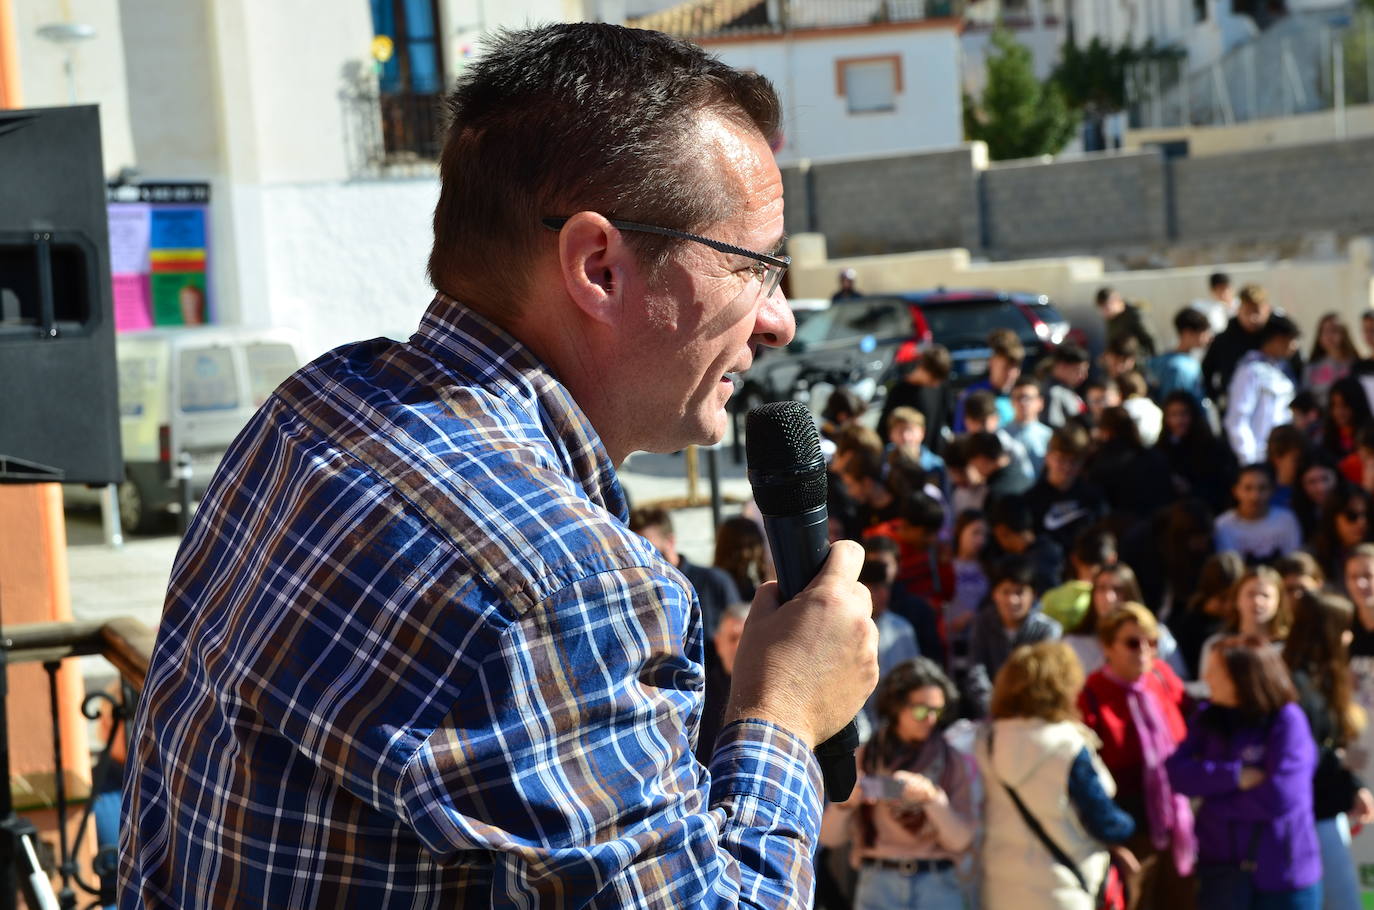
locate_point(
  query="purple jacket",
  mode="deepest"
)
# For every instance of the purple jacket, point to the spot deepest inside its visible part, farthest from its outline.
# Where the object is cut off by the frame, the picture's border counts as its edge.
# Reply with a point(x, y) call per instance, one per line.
point(1208, 765)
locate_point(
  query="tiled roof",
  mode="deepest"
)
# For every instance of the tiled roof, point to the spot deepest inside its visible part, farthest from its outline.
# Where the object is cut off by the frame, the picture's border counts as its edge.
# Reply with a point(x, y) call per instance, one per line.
point(706, 17)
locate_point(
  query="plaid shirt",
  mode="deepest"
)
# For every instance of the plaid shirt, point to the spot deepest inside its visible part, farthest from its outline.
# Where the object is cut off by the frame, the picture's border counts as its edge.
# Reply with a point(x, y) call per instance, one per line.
point(411, 656)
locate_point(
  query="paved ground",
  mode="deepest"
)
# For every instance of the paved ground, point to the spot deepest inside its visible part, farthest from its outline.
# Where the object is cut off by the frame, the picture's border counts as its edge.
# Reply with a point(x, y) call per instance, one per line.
point(131, 580)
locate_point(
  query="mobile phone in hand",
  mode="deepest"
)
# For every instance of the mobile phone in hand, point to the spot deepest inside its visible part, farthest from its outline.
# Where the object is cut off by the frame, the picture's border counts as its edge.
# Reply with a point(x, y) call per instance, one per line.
point(875, 786)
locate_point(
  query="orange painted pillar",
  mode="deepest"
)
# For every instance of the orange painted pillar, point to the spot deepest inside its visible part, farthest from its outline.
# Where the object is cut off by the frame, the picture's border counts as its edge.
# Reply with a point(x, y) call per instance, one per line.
point(9, 57)
point(34, 588)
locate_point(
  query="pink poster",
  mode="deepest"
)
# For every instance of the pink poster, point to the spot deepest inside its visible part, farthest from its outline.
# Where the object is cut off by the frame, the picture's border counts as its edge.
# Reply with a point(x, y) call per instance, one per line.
point(132, 302)
point(129, 229)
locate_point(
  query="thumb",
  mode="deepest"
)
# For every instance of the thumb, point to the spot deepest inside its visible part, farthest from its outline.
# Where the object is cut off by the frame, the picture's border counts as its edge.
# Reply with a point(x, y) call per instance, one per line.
point(766, 601)
point(843, 564)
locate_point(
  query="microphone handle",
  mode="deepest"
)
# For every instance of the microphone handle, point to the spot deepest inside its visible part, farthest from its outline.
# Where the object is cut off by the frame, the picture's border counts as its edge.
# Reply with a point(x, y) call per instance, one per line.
point(800, 544)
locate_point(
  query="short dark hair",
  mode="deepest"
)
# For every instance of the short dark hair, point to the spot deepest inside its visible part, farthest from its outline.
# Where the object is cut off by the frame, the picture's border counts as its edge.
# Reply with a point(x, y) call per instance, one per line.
point(1095, 547)
point(646, 517)
point(1024, 380)
point(936, 361)
point(1278, 326)
point(1305, 401)
point(1012, 513)
point(881, 543)
point(1189, 319)
point(1218, 280)
point(985, 445)
point(1104, 294)
point(1284, 440)
point(1014, 568)
point(922, 511)
point(1124, 346)
point(1131, 384)
point(1070, 439)
point(578, 116)
point(1258, 467)
point(1069, 353)
point(980, 405)
point(873, 572)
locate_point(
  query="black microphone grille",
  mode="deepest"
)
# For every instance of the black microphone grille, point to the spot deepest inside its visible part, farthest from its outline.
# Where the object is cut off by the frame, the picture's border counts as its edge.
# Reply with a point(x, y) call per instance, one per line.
point(786, 468)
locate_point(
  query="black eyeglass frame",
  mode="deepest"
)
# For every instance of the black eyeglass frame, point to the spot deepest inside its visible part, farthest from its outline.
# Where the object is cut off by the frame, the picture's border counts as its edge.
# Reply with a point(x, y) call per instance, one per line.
point(779, 264)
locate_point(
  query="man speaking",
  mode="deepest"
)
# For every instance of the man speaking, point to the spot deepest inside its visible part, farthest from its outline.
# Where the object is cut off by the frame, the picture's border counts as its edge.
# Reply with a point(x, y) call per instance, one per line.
point(411, 655)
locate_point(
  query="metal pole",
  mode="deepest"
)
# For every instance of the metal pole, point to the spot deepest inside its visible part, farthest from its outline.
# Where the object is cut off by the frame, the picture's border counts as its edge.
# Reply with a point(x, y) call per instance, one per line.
point(184, 490)
point(1338, 66)
point(109, 516)
point(66, 864)
point(713, 468)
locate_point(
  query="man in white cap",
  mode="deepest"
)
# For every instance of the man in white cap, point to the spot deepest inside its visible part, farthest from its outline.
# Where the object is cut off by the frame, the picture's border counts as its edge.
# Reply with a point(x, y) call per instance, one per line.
point(847, 290)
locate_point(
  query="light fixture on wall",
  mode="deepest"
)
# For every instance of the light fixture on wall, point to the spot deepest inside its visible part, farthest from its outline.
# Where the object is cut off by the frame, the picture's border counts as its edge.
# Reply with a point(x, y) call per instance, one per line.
point(67, 35)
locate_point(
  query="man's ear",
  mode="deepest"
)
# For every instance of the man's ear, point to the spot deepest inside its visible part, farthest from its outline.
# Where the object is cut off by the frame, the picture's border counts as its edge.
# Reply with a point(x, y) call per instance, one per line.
point(595, 263)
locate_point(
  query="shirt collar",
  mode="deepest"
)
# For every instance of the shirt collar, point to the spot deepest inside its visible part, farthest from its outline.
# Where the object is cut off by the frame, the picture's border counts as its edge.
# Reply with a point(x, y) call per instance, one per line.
point(476, 348)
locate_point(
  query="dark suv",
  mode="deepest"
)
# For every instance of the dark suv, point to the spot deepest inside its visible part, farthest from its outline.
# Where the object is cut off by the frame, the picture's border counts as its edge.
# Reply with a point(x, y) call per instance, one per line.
point(868, 340)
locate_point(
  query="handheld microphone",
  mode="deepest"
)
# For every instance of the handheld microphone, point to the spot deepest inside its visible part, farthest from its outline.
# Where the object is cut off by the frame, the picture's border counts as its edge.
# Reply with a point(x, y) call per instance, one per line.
point(787, 474)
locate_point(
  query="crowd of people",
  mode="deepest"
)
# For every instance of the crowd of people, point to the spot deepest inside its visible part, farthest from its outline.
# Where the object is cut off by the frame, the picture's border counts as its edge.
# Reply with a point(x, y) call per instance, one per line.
point(1124, 605)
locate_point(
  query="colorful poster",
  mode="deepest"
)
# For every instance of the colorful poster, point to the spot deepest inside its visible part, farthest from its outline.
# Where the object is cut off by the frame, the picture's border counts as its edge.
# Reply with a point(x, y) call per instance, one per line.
point(159, 255)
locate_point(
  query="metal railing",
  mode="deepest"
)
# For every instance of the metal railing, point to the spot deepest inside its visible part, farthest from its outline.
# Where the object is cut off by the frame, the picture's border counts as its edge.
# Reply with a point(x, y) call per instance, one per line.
point(1302, 65)
point(390, 133)
point(127, 644)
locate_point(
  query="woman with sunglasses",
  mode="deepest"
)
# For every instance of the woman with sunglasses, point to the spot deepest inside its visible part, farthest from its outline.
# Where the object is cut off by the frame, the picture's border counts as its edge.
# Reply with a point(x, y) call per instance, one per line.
point(1113, 586)
point(910, 818)
point(1250, 757)
point(1344, 525)
point(1134, 705)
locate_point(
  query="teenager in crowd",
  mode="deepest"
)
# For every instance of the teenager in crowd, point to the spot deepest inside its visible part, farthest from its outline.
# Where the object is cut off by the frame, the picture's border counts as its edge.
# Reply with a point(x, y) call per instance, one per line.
point(1347, 411)
point(1069, 367)
point(1333, 355)
point(1068, 603)
point(1004, 368)
point(896, 636)
point(1199, 463)
point(906, 429)
point(1168, 552)
point(1014, 533)
point(1149, 419)
point(1114, 586)
point(1250, 757)
point(1027, 404)
point(1062, 502)
point(925, 388)
point(1179, 370)
point(1242, 335)
point(1040, 770)
point(1013, 620)
point(1133, 479)
point(1359, 587)
point(1255, 529)
point(1345, 524)
point(1134, 703)
point(1257, 607)
point(1318, 656)
point(910, 818)
point(970, 585)
point(1317, 480)
point(1301, 575)
point(1204, 613)
point(741, 553)
point(1261, 390)
point(1286, 453)
point(1124, 320)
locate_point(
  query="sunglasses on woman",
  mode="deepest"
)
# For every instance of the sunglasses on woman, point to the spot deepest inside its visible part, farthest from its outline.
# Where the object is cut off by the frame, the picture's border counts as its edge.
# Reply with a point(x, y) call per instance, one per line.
point(1136, 643)
point(926, 712)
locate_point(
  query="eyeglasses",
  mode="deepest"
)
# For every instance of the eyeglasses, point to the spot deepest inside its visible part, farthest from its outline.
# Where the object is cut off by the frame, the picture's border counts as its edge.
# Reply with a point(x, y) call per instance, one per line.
point(1136, 643)
point(926, 712)
point(767, 269)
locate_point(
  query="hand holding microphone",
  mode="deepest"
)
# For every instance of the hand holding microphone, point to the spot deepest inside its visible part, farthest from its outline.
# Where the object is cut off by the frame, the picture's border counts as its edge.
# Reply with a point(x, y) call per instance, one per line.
point(808, 658)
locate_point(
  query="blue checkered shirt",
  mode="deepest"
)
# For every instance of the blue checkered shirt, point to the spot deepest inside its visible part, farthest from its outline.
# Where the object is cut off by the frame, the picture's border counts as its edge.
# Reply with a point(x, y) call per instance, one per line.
point(411, 656)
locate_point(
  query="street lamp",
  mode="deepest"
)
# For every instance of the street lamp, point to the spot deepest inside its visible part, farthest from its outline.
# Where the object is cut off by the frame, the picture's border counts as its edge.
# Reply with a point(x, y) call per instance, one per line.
point(67, 35)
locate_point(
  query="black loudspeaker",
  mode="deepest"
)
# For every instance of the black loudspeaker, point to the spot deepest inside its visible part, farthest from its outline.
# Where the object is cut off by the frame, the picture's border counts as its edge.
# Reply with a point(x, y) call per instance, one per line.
point(59, 398)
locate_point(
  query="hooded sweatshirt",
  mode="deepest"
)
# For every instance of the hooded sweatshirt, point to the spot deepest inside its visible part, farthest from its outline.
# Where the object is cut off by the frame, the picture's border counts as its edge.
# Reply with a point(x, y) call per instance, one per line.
point(1260, 398)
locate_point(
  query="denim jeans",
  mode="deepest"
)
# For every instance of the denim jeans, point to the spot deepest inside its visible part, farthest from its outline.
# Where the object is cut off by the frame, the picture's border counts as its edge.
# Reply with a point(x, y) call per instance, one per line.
point(1339, 886)
point(892, 889)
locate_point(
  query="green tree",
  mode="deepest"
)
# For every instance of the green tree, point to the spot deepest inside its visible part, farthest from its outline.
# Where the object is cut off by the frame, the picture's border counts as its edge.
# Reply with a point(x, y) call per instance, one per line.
point(1093, 78)
point(1018, 115)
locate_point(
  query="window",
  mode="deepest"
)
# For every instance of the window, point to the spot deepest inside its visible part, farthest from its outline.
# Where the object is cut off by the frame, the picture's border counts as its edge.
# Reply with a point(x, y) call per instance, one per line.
point(209, 381)
point(268, 364)
point(869, 84)
point(876, 318)
point(412, 81)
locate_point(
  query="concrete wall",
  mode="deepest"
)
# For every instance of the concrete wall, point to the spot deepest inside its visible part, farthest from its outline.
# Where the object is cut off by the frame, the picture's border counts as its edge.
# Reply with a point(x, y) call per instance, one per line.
point(1328, 186)
point(1074, 204)
point(817, 124)
point(1324, 126)
point(1133, 205)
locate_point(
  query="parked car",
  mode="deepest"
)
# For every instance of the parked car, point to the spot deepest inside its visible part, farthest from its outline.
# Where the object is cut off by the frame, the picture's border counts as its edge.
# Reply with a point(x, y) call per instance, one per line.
point(869, 341)
point(189, 390)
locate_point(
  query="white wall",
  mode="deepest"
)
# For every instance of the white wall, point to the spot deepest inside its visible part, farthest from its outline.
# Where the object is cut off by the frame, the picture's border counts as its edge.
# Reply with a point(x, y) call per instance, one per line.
point(342, 262)
point(98, 68)
point(817, 124)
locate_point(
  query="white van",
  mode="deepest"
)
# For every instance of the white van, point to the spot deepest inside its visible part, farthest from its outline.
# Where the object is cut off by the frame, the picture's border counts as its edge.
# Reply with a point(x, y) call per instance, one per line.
point(189, 390)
